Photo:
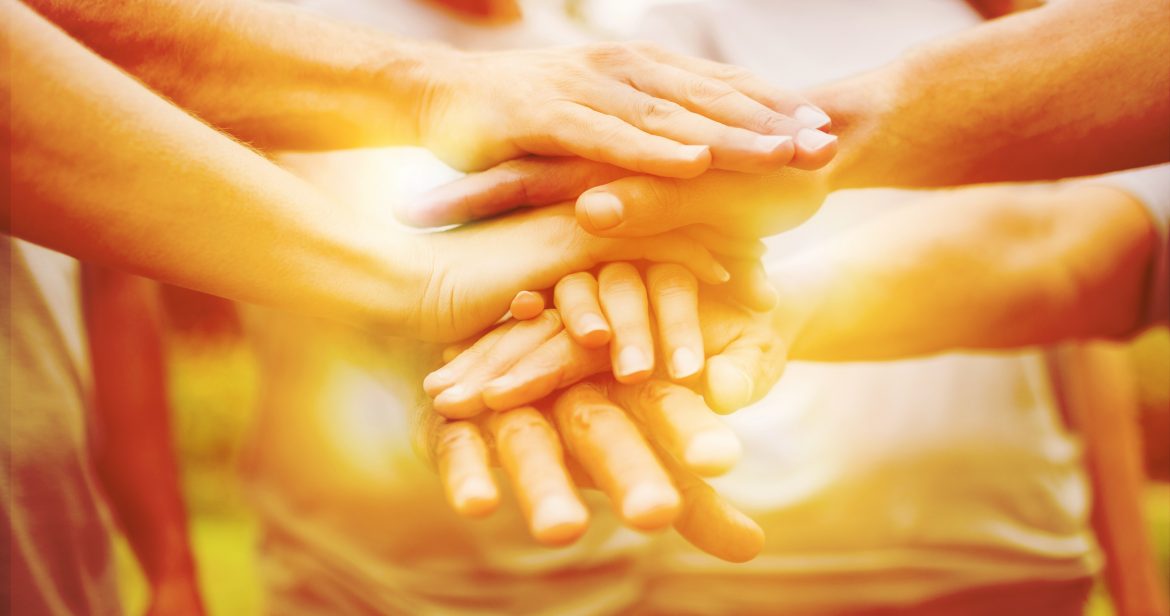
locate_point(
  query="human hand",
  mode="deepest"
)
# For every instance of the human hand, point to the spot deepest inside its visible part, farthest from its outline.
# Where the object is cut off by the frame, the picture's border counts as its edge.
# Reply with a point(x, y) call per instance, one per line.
point(643, 445)
point(632, 105)
point(607, 322)
point(473, 272)
point(614, 203)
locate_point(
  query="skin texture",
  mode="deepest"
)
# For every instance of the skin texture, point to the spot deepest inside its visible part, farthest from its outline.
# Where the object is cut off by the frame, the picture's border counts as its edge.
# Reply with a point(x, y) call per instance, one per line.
point(1025, 99)
point(123, 321)
point(164, 196)
point(1008, 267)
point(631, 105)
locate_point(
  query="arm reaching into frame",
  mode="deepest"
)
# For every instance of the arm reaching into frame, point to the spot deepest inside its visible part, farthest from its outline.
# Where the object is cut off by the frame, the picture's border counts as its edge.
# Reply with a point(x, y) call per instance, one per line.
point(108, 172)
point(982, 268)
point(282, 78)
point(1074, 88)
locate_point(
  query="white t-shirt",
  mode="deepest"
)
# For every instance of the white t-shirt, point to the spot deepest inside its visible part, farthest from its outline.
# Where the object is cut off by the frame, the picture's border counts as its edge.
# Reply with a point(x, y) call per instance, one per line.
point(876, 484)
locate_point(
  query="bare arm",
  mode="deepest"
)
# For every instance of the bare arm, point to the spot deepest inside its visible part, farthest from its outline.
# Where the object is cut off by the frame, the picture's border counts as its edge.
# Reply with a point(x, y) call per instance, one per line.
point(983, 268)
point(280, 77)
point(1075, 88)
point(134, 456)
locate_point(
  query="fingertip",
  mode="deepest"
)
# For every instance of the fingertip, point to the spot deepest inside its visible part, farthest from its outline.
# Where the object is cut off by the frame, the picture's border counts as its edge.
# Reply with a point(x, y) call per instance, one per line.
point(713, 453)
point(811, 117)
point(591, 331)
point(476, 497)
point(814, 149)
point(633, 365)
point(436, 382)
point(558, 520)
point(458, 402)
point(685, 363)
point(650, 506)
point(728, 387)
point(598, 211)
point(527, 305)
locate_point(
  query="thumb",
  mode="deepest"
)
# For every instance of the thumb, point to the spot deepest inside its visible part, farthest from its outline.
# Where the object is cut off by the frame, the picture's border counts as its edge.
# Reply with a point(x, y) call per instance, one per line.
point(743, 372)
point(533, 181)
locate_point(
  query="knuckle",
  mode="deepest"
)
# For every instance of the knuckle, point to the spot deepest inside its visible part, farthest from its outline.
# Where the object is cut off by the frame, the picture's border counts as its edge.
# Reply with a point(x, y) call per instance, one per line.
point(609, 54)
point(454, 437)
point(659, 110)
point(707, 90)
point(550, 319)
point(671, 277)
point(728, 72)
point(654, 394)
point(767, 121)
point(519, 422)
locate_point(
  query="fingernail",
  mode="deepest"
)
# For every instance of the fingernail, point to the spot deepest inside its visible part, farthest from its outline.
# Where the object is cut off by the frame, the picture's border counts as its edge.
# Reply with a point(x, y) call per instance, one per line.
point(812, 140)
point(712, 453)
point(768, 144)
point(684, 362)
point(693, 152)
point(631, 361)
point(650, 505)
point(436, 382)
point(811, 117)
point(593, 330)
point(558, 519)
point(732, 388)
point(603, 209)
point(475, 497)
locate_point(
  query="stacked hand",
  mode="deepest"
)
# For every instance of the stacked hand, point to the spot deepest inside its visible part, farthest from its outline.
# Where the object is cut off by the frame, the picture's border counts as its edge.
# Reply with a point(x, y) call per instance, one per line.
point(632, 105)
point(534, 396)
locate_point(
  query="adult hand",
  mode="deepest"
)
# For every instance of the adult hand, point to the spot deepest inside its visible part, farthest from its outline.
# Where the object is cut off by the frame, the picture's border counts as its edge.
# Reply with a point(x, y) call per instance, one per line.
point(613, 203)
point(632, 105)
point(472, 273)
point(524, 360)
point(643, 445)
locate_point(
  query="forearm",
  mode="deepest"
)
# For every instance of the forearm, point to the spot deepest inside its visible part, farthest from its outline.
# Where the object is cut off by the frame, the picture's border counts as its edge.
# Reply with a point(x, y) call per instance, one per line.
point(134, 454)
point(106, 171)
point(1075, 88)
point(991, 268)
point(270, 74)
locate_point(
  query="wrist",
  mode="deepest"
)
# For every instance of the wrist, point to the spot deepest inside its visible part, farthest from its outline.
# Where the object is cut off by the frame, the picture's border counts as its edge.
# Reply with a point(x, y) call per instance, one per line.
point(861, 108)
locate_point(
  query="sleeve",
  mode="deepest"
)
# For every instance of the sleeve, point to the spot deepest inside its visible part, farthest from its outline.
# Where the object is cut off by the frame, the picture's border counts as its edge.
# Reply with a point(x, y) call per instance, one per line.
point(1151, 186)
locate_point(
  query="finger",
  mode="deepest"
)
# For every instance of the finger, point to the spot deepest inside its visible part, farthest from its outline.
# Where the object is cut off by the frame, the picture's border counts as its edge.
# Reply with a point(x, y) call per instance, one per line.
point(530, 454)
point(446, 376)
point(575, 296)
point(636, 206)
point(732, 148)
point(749, 285)
point(532, 181)
point(674, 296)
point(465, 397)
point(558, 363)
point(712, 524)
point(607, 444)
point(725, 245)
point(742, 99)
point(623, 300)
point(464, 469)
point(777, 99)
point(528, 304)
point(678, 420)
point(814, 149)
point(583, 132)
point(665, 248)
point(743, 372)
point(452, 351)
